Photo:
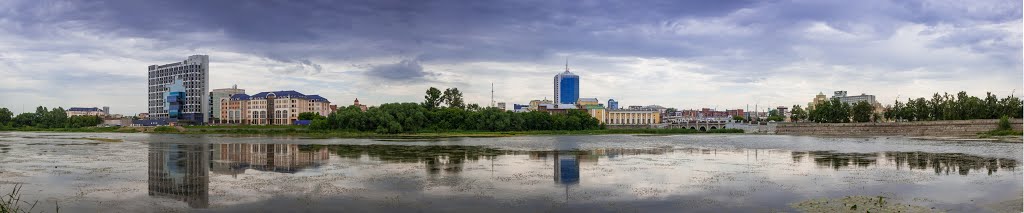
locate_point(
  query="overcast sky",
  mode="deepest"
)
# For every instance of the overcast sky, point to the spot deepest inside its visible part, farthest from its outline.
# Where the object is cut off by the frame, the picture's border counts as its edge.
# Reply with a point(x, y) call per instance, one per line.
point(683, 54)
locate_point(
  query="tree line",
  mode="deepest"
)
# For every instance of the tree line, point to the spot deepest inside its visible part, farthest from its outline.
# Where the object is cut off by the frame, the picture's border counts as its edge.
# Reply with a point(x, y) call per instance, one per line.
point(835, 111)
point(955, 107)
point(446, 111)
point(940, 107)
point(46, 119)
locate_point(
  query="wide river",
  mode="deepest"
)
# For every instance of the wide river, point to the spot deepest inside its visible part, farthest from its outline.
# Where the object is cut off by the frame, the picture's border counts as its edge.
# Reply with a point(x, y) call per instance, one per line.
point(607, 173)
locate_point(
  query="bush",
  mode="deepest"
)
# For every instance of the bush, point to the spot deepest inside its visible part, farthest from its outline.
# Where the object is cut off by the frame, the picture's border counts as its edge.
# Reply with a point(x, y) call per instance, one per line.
point(1004, 123)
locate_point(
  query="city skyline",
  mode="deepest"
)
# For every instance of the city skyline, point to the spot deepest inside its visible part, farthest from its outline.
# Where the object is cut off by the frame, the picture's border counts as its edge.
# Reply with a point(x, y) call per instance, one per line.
point(687, 55)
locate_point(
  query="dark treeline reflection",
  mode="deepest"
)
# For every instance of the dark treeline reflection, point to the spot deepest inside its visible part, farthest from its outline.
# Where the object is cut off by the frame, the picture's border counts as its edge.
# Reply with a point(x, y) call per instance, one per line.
point(452, 157)
point(941, 163)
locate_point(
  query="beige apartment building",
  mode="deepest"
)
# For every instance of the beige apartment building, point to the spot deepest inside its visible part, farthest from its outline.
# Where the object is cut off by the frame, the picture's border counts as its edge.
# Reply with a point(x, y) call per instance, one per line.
point(271, 108)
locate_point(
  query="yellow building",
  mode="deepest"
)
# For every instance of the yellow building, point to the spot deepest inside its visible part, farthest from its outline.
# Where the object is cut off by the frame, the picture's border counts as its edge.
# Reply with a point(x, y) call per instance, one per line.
point(631, 117)
point(820, 98)
point(598, 112)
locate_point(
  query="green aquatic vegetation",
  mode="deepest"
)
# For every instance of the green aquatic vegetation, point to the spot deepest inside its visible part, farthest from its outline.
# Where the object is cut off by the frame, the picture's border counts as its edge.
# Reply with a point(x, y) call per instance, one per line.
point(856, 204)
point(165, 129)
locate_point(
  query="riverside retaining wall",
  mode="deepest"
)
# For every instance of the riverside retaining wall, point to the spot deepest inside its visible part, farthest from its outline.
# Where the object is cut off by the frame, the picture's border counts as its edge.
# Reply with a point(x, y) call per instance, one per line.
point(920, 128)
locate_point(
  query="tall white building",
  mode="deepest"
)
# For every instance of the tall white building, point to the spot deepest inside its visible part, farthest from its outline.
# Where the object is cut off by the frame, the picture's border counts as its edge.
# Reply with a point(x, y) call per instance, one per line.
point(180, 90)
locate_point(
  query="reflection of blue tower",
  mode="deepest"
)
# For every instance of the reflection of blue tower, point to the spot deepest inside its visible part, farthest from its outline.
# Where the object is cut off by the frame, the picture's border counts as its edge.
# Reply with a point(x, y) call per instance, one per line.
point(567, 168)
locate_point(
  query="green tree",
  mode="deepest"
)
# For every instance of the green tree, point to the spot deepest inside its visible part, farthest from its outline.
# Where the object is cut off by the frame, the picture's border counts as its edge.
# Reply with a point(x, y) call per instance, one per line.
point(310, 116)
point(6, 116)
point(24, 120)
point(862, 111)
point(433, 98)
point(798, 114)
point(473, 107)
point(453, 98)
point(775, 115)
point(737, 118)
point(1004, 124)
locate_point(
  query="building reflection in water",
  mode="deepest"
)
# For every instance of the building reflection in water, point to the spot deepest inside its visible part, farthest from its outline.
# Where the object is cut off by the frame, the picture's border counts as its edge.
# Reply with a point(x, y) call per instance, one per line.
point(567, 164)
point(180, 172)
point(234, 159)
point(567, 168)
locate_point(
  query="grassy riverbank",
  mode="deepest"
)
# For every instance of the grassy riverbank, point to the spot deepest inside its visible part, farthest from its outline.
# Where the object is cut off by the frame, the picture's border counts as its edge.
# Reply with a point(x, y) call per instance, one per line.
point(302, 131)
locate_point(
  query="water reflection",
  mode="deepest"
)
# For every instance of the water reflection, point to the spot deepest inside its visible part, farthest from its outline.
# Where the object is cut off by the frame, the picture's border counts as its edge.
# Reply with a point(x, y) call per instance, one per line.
point(234, 159)
point(940, 163)
point(182, 171)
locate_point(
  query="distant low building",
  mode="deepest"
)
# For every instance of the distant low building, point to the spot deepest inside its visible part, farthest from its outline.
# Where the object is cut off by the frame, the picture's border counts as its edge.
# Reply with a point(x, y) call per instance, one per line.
point(556, 108)
point(501, 105)
point(80, 111)
point(851, 100)
point(535, 104)
point(117, 122)
point(156, 122)
point(520, 107)
point(583, 102)
point(361, 106)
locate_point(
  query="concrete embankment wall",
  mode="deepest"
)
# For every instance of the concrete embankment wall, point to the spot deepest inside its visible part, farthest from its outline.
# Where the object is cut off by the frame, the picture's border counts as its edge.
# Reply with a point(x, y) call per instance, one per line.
point(768, 128)
point(921, 128)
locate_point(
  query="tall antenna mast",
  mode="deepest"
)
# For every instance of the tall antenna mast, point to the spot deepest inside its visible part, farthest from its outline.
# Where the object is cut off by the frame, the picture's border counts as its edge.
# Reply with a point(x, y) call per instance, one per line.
point(566, 63)
point(492, 94)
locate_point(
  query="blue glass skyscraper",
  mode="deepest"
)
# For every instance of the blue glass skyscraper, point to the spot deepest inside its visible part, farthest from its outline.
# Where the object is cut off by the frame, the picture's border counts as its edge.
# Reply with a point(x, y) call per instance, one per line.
point(567, 87)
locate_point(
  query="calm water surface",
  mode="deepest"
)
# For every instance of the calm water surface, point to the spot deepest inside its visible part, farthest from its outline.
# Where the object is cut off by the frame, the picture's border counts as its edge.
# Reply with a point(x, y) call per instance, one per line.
point(612, 173)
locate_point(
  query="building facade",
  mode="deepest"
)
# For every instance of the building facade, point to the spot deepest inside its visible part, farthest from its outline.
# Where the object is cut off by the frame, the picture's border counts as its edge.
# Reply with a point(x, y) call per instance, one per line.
point(567, 87)
point(180, 90)
point(632, 117)
point(218, 97)
point(80, 111)
point(851, 100)
point(272, 108)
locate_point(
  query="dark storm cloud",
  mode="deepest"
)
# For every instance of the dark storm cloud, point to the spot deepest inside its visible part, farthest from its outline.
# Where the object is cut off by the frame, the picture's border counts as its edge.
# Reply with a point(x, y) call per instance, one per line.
point(434, 30)
point(459, 31)
point(401, 71)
